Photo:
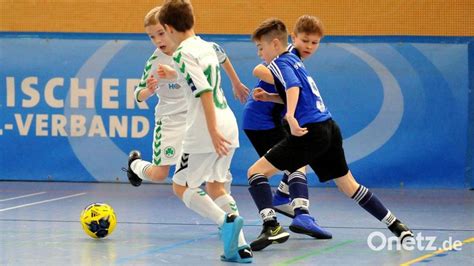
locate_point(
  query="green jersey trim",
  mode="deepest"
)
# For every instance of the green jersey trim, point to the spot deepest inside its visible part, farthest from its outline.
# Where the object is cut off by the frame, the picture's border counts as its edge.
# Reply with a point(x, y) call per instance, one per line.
point(201, 92)
point(137, 92)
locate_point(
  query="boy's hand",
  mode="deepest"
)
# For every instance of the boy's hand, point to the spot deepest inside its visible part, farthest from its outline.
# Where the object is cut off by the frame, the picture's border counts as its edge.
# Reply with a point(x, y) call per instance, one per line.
point(220, 143)
point(166, 72)
point(241, 92)
point(151, 84)
point(295, 128)
point(260, 94)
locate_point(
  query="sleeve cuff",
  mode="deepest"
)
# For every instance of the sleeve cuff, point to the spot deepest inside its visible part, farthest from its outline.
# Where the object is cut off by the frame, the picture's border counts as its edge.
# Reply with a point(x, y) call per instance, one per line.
point(293, 85)
point(137, 92)
point(197, 95)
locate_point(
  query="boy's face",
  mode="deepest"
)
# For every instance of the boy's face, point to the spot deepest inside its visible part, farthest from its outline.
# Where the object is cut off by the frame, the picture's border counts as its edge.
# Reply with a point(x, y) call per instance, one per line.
point(160, 39)
point(305, 43)
point(267, 50)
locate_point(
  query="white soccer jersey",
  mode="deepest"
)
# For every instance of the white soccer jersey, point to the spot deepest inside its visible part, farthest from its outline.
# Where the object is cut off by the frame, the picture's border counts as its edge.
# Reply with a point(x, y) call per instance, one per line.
point(170, 93)
point(221, 55)
point(197, 62)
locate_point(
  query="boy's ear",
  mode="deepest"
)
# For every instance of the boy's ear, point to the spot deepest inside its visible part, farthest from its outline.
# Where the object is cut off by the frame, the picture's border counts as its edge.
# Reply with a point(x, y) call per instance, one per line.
point(168, 28)
point(275, 43)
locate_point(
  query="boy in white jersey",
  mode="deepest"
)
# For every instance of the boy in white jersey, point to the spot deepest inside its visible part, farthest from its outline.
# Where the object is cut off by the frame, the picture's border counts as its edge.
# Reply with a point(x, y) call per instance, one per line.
point(170, 112)
point(211, 131)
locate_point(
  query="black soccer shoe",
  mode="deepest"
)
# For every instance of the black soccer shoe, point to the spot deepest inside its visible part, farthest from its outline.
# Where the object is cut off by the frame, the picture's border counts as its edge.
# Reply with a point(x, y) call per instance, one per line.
point(400, 230)
point(132, 177)
point(270, 235)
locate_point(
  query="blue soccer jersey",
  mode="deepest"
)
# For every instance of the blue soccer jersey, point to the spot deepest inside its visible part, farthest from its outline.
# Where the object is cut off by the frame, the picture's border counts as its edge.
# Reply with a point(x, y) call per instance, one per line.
point(259, 115)
point(288, 71)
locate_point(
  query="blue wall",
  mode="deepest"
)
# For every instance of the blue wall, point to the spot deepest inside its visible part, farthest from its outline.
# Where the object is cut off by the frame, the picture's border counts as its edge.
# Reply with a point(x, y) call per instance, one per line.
point(403, 104)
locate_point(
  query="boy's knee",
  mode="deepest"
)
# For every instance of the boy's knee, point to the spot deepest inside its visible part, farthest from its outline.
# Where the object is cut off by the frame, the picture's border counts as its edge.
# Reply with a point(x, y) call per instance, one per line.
point(158, 176)
point(254, 169)
point(215, 190)
point(347, 184)
point(158, 173)
point(178, 190)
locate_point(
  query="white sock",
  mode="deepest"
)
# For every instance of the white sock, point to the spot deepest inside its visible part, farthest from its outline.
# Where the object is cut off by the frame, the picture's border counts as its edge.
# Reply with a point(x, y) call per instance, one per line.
point(197, 200)
point(139, 167)
point(227, 203)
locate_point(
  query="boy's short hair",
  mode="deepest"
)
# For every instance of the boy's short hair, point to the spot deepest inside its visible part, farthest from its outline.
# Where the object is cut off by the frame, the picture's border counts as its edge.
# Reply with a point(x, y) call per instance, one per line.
point(270, 29)
point(151, 17)
point(309, 25)
point(178, 14)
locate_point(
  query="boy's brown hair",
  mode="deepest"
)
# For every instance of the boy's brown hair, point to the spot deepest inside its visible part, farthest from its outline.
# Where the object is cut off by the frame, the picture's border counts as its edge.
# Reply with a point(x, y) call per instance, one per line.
point(178, 14)
point(309, 25)
point(151, 17)
point(270, 29)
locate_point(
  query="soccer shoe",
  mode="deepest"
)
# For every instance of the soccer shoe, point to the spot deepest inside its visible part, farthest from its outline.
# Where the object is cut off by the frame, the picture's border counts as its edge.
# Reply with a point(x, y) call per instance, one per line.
point(282, 205)
point(270, 235)
point(400, 230)
point(230, 231)
point(132, 177)
point(244, 255)
point(305, 224)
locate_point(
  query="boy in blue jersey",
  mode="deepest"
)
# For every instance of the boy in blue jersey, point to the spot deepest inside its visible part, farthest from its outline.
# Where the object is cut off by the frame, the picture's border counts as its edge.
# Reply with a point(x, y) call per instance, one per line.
point(262, 120)
point(315, 140)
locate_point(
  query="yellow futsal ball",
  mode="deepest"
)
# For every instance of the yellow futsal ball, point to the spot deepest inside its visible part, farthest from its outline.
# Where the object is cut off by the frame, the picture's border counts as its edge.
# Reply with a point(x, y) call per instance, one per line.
point(98, 220)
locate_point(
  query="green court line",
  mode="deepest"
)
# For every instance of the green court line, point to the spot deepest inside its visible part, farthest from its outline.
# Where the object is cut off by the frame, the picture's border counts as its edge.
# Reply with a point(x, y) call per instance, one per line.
point(314, 253)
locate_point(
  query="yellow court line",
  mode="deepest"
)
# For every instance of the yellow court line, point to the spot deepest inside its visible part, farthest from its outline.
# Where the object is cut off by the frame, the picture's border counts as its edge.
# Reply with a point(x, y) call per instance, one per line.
point(466, 241)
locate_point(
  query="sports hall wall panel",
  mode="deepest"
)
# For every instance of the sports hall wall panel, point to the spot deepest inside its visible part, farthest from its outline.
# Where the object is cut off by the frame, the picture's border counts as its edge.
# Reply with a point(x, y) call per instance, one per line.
point(404, 101)
point(344, 17)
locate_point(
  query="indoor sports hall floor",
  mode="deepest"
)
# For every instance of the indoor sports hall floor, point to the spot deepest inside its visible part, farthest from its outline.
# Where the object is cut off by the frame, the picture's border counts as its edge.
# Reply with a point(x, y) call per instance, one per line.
point(39, 225)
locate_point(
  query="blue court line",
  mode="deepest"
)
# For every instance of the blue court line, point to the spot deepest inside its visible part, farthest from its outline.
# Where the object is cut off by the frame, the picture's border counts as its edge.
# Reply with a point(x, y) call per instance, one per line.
point(155, 250)
point(250, 223)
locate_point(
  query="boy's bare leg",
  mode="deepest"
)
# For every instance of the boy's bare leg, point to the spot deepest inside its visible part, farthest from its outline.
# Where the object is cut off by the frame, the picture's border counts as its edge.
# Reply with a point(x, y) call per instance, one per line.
point(370, 202)
point(139, 170)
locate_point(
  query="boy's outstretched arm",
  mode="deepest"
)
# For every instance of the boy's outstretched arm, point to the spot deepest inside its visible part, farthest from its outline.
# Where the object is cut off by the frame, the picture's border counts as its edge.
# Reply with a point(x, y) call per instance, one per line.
point(292, 95)
point(260, 94)
point(148, 82)
point(263, 73)
point(220, 143)
point(241, 92)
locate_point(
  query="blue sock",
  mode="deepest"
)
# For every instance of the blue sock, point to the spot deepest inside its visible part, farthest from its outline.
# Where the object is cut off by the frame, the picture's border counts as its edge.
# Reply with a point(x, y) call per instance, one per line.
point(283, 189)
point(373, 205)
point(261, 193)
point(298, 187)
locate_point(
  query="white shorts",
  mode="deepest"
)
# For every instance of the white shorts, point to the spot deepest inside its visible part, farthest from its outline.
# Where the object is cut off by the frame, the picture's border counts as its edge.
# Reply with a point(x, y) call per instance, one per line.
point(168, 136)
point(198, 168)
